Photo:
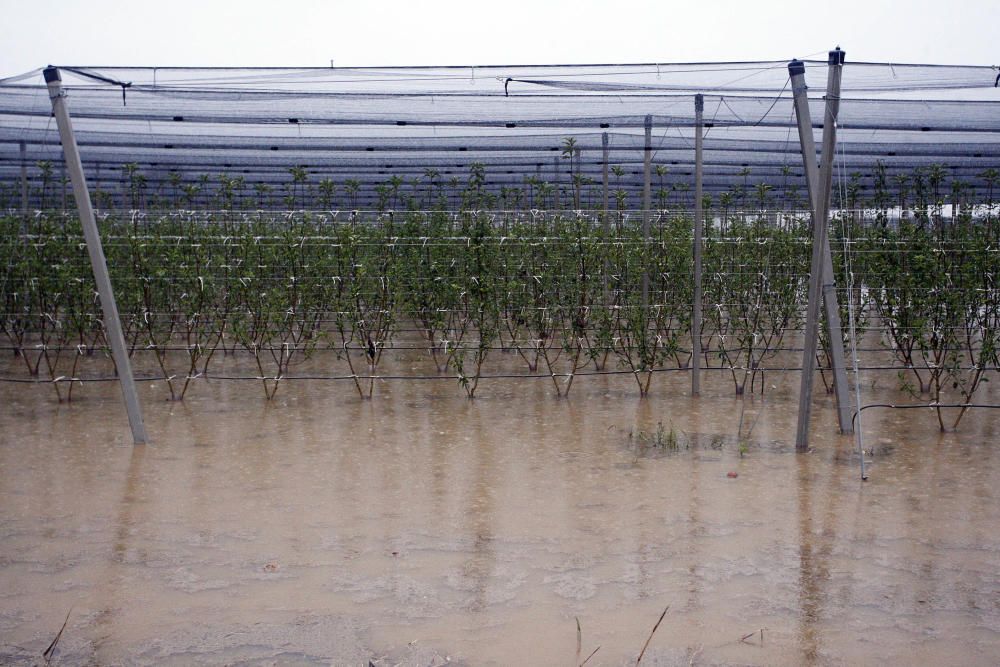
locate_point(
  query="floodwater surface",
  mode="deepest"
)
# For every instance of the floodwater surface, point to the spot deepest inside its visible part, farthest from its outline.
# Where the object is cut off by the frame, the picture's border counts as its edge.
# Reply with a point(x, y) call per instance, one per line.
point(422, 528)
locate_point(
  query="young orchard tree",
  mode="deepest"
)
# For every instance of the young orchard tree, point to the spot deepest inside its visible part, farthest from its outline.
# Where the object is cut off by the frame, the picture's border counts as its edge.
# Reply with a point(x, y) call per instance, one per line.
point(299, 178)
point(327, 188)
point(351, 189)
point(432, 176)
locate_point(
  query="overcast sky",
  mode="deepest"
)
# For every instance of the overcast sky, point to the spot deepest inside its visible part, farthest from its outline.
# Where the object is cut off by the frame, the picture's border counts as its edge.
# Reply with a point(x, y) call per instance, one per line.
point(34, 33)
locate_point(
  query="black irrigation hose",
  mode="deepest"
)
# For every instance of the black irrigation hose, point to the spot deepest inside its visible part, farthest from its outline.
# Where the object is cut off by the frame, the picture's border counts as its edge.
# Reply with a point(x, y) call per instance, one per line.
point(915, 406)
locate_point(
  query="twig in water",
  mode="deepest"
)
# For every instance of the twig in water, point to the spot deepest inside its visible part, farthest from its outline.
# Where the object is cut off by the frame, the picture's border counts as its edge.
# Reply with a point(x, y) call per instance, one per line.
point(744, 638)
point(650, 638)
point(50, 651)
point(590, 656)
point(579, 639)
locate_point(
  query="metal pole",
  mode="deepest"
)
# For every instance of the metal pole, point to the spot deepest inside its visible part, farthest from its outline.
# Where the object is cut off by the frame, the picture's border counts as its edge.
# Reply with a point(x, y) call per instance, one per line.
point(699, 230)
point(24, 178)
point(829, 288)
point(96, 251)
point(821, 200)
point(646, 204)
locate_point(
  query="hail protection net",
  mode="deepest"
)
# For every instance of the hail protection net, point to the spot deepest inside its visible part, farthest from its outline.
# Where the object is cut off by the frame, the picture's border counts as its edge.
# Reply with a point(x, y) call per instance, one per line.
point(414, 129)
point(572, 293)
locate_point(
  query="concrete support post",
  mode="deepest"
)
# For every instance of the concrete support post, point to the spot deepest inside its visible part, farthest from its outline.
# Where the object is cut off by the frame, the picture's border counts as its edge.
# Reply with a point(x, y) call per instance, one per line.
point(605, 220)
point(829, 289)
point(699, 230)
point(820, 197)
point(96, 252)
point(647, 177)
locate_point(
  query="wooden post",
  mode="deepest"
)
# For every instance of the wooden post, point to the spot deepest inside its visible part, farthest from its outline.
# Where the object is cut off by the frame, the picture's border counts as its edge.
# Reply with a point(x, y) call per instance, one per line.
point(646, 204)
point(699, 230)
point(96, 251)
point(821, 204)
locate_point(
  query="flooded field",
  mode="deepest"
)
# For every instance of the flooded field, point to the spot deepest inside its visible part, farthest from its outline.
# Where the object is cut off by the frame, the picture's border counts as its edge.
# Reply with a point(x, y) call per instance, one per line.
point(422, 528)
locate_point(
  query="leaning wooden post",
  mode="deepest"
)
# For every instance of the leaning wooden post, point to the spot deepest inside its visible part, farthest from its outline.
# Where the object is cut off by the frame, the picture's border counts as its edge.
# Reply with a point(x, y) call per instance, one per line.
point(821, 205)
point(647, 176)
point(97, 261)
point(699, 230)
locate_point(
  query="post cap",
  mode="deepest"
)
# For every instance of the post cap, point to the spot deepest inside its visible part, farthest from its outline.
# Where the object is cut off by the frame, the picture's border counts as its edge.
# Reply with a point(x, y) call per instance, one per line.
point(51, 74)
point(699, 102)
point(837, 56)
point(796, 67)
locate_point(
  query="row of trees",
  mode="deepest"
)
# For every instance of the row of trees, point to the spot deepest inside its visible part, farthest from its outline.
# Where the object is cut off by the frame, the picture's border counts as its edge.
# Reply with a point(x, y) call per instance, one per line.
point(566, 294)
point(919, 190)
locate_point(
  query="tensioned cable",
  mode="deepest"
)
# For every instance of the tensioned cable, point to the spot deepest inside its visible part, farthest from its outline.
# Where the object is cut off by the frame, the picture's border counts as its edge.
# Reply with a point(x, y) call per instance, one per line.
point(21, 77)
point(849, 280)
point(440, 72)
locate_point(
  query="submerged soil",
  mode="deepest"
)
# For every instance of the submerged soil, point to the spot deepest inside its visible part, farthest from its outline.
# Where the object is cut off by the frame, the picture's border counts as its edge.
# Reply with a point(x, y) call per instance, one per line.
point(423, 528)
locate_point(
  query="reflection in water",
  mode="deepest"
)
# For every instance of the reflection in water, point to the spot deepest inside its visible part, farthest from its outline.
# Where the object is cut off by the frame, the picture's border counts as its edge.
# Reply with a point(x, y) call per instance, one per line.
point(323, 528)
point(812, 574)
point(694, 524)
point(111, 592)
point(479, 567)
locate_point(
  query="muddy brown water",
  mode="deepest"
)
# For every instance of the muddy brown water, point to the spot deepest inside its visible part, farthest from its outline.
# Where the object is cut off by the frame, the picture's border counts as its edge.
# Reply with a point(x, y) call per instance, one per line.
point(423, 528)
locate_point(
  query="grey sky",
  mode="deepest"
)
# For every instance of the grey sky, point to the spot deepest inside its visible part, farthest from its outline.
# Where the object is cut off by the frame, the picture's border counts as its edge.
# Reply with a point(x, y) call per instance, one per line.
point(387, 32)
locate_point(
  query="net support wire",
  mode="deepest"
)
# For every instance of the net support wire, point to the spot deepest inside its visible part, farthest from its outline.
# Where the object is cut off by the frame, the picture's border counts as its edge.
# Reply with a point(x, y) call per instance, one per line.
point(851, 322)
